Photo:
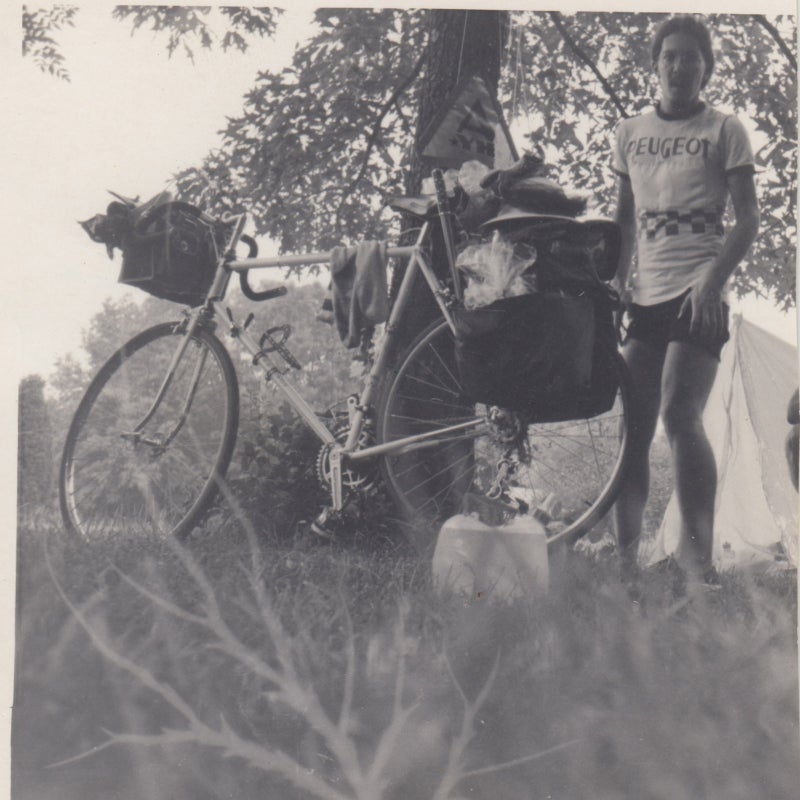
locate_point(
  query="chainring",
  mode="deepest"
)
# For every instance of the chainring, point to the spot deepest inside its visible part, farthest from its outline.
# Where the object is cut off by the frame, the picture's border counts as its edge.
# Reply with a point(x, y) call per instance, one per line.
point(358, 478)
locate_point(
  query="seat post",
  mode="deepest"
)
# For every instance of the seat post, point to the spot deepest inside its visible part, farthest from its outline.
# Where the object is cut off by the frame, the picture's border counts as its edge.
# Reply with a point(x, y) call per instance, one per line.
point(445, 213)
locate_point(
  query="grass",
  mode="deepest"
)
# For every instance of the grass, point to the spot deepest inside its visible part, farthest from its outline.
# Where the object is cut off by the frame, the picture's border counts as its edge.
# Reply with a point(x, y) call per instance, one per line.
point(291, 667)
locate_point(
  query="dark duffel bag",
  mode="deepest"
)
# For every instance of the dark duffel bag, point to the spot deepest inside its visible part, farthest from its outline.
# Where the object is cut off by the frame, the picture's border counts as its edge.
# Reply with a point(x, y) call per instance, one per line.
point(544, 355)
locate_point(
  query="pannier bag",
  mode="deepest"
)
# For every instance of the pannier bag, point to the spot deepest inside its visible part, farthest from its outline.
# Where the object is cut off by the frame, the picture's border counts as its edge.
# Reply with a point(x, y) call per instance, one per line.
point(169, 248)
point(545, 355)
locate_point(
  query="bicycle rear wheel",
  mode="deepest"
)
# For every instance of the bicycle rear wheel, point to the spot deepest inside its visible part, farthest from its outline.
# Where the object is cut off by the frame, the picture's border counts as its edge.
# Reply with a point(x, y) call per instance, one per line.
point(120, 477)
point(580, 461)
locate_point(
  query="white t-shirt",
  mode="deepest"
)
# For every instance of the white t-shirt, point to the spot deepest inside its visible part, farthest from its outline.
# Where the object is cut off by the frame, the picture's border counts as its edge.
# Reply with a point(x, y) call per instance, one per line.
point(678, 169)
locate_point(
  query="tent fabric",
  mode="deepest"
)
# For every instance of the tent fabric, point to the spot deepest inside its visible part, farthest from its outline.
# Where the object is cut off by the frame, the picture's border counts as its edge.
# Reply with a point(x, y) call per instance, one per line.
point(756, 507)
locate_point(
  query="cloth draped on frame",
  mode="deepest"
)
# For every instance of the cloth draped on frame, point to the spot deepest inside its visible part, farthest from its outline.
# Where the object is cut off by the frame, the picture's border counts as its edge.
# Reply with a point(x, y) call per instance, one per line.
point(359, 289)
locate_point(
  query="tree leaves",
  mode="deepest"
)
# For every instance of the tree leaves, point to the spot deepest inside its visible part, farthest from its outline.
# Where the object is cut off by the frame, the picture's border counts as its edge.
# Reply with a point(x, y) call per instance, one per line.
point(188, 26)
point(34, 445)
point(39, 45)
point(579, 116)
point(304, 132)
point(319, 145)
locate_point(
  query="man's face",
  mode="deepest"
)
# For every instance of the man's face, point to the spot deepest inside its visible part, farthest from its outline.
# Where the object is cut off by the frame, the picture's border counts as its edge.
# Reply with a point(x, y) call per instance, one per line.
point(681, 71)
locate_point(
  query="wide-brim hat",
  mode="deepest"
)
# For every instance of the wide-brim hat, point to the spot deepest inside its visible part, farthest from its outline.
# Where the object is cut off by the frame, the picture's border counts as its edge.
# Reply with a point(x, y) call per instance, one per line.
point(514, 214)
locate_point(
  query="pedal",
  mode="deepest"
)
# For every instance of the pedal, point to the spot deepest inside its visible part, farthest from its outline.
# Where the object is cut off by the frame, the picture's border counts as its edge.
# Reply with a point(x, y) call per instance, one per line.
point(270, 343)
point(320, 526)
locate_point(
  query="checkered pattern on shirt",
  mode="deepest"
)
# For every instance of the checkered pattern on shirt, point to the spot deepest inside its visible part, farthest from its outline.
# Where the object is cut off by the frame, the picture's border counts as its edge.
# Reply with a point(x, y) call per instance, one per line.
point(696, 220)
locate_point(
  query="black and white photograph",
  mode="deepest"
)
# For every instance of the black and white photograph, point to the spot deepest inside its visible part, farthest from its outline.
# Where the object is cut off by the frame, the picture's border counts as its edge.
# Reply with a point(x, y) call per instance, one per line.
point(401, 402)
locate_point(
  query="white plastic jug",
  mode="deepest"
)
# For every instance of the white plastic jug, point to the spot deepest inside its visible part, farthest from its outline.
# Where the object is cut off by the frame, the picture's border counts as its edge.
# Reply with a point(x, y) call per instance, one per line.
point(496, 563)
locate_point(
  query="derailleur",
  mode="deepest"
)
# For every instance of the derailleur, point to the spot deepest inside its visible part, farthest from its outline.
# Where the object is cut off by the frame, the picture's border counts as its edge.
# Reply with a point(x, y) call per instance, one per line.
point(508, 430)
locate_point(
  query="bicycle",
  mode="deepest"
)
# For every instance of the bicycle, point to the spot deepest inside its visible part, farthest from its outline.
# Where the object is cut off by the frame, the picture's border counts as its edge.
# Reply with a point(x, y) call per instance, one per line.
point(150, 445)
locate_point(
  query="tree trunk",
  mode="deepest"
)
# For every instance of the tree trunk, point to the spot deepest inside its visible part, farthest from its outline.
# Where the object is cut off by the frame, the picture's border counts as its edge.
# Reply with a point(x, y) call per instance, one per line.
point(462, 43)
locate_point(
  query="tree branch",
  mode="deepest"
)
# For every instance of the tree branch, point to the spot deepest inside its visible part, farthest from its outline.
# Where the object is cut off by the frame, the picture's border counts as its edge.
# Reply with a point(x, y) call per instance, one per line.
point(471, 773)
point(773, 32)
point(162, 602)
point(293, 691)
point(376, 128)
point(558, 21)
point(454, 769)
point(262, 758)
point(400, 713)
point(350, 668)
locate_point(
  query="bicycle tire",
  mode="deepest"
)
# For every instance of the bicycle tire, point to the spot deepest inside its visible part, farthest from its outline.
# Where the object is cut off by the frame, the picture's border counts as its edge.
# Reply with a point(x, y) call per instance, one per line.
point(430, 484)
point(113, 484)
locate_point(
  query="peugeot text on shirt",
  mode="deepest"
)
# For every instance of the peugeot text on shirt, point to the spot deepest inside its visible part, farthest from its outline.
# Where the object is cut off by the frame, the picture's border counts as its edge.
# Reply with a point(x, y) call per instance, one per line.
point(669, 146)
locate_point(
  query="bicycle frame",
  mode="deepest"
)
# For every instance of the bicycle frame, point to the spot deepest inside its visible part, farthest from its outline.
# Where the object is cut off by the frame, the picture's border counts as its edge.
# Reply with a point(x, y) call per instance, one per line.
point(417, 262)
point(385, 408)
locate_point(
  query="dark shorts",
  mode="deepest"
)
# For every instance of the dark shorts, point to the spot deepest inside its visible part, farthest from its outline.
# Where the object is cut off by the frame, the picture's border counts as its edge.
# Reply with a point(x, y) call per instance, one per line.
point(660, 324)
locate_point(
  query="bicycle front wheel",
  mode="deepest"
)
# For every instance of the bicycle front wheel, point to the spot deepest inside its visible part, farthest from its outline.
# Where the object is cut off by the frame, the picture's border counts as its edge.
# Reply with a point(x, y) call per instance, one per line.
point(577, 462)
point(133, 466)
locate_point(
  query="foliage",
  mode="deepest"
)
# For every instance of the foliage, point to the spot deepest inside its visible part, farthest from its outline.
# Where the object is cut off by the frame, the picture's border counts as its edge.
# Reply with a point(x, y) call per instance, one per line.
point(273, 471)
point(328, 374)
point(244, 668)
point(321, 144)
point(319, 111)
point(273, 474)
point(38, 44)
point(291, 155)
point(35, 479)
point(107, 330)
point(189, 26)
point(68, 380)
point(574, 127)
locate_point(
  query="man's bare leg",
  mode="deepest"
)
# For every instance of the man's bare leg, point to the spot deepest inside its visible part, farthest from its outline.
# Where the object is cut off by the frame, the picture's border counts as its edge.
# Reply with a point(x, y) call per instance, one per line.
point(645, 364)
point(688, 376)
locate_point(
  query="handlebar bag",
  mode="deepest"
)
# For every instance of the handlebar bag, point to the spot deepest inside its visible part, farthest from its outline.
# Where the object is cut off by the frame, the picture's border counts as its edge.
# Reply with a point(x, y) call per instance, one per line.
point(538, 354)
point(170, 252)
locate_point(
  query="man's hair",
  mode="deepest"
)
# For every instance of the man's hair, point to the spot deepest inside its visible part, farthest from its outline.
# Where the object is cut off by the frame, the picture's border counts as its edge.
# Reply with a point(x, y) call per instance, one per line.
point(690, 26)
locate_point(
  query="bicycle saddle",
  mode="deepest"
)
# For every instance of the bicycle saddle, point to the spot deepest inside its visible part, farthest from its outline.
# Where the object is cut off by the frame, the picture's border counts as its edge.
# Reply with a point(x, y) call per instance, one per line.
point(422, 206)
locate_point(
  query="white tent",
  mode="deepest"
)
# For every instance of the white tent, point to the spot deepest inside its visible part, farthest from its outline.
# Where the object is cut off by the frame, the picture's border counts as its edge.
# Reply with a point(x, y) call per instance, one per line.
point(756, 509)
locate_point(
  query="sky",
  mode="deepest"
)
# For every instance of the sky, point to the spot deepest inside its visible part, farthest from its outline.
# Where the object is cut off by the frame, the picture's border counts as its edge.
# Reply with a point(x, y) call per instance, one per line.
point(128, 119)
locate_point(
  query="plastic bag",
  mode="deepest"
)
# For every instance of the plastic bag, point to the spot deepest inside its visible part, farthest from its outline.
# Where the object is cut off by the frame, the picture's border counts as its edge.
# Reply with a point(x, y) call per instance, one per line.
point(495, 270)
